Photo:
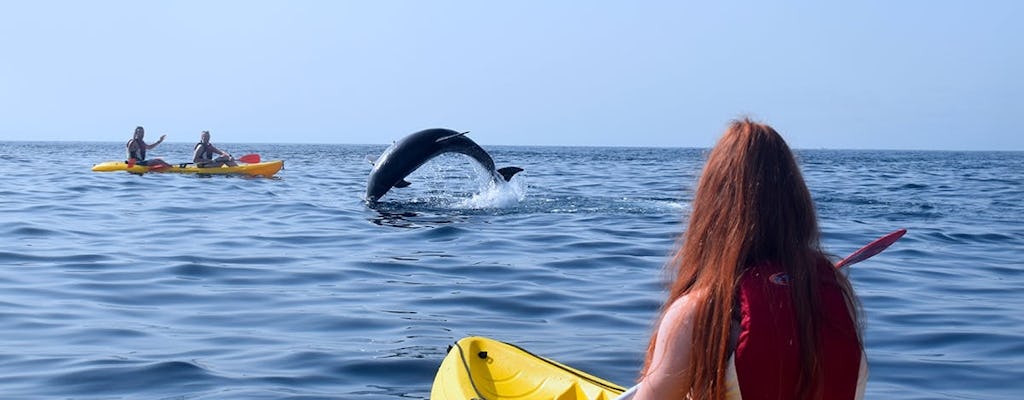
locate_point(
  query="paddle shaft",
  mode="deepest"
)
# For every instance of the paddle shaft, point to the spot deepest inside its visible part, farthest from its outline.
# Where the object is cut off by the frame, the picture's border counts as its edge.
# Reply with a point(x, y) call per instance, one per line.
point(248, 159)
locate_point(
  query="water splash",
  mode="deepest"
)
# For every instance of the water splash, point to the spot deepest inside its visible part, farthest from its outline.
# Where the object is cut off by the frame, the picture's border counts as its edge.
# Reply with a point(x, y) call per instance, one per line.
point(451, 179)
point(496, 195)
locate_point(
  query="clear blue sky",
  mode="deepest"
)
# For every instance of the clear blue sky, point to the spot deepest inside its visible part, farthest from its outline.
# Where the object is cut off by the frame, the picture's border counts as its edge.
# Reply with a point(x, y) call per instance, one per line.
point(876, 74)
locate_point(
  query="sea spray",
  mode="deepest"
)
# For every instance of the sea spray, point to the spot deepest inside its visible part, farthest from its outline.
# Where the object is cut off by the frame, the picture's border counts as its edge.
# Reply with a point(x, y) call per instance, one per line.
point(497, 195)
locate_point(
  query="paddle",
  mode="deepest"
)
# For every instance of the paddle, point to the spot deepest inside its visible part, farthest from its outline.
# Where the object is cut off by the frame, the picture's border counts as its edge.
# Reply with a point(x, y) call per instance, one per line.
point(870, 250)
point(250, 158)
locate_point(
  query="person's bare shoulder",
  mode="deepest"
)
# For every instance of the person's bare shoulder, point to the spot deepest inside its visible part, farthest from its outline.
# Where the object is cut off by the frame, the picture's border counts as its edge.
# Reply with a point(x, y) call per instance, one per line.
point(672, 348)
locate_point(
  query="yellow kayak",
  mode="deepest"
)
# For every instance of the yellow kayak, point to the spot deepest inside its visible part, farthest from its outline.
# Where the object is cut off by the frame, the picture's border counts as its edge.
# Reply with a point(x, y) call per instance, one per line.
point(481, 368)
point(265, 169)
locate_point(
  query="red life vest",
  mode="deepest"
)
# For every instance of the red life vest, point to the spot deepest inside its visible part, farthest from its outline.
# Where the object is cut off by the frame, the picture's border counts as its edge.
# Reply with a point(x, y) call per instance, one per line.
point(767, 354)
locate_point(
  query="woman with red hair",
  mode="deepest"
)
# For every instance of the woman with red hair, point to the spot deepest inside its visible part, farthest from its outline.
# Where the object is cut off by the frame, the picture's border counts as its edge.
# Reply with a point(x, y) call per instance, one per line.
point(755, 309)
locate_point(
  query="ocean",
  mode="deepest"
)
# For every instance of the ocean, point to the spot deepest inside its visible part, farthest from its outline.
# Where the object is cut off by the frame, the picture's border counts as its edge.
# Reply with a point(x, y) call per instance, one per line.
point(168, 286)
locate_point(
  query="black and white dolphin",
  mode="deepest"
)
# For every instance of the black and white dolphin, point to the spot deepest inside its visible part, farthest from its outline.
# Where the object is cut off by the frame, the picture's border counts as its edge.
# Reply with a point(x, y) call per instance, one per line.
point(408, 154)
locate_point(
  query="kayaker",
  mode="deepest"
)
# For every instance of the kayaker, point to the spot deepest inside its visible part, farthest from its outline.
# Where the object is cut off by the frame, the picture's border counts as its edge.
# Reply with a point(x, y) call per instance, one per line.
point(137, 147)
point(755, 308)
point(204, 151)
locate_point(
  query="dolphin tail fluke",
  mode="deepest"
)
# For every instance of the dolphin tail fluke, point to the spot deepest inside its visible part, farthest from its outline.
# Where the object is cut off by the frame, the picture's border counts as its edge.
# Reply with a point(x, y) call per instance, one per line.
point(402, 183)
point(508, 172)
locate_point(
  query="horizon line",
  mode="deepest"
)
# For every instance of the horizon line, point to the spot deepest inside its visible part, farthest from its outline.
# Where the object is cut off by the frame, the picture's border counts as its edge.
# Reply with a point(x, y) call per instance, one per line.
point(541, 145)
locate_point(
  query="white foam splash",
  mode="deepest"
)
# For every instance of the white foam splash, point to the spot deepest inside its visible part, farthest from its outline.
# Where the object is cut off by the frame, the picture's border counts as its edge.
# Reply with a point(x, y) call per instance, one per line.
point(496, 195)
point(452, 176)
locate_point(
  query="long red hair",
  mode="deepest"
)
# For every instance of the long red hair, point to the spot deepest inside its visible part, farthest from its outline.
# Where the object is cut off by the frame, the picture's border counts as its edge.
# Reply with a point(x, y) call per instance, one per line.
point(751, 206)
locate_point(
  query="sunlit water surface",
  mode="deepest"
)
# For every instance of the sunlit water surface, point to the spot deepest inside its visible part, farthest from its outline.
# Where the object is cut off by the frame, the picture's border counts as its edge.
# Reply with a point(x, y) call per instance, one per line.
point(184, 287)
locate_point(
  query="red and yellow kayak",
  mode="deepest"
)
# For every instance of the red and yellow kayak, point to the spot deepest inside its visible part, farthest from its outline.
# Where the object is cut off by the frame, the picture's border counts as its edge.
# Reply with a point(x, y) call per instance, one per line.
point(264, 169)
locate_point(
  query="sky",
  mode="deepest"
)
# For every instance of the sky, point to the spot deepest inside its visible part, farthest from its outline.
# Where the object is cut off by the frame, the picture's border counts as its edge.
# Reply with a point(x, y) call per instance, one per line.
point(873, 74)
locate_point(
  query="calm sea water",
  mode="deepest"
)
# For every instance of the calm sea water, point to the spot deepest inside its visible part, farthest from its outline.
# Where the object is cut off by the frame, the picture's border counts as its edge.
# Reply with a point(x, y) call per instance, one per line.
point(165, 286)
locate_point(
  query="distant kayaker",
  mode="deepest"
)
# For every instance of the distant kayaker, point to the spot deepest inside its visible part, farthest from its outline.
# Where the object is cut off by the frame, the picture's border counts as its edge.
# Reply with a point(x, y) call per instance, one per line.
point(137, 150)
point(204, 151)
point(755, 308)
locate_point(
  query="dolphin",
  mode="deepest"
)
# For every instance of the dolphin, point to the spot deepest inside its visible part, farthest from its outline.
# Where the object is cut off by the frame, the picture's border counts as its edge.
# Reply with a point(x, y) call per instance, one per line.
point(408, 154)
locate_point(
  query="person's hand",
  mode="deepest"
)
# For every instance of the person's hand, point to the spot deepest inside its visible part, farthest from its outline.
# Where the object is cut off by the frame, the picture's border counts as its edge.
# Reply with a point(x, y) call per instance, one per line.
point(162, 137)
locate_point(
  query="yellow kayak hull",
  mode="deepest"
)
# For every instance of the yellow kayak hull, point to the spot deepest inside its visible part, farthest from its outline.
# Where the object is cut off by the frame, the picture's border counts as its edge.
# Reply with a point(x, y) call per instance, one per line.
point(482, 368)
point(265, 169)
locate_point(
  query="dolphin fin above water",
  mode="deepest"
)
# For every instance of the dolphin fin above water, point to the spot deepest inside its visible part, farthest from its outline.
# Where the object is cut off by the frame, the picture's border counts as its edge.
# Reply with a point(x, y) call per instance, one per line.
point(508, 172)
point(402, 183)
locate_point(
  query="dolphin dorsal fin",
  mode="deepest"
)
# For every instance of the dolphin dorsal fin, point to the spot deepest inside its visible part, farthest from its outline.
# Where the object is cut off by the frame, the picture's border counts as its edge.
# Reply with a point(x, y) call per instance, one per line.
point(443, 138)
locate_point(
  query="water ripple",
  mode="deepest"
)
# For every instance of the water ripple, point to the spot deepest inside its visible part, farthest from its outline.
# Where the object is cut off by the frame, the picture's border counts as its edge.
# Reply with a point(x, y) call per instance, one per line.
point(174, 286)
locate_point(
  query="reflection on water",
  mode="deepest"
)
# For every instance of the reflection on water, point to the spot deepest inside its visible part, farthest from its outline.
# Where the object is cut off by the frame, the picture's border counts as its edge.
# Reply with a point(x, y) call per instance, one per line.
point(399, 219)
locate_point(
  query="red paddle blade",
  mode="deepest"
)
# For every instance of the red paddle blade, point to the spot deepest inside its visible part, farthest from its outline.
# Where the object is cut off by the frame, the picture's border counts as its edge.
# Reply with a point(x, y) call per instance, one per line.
point(131, 162)
point(158, 167)
point(872, 248)
point(250, 158)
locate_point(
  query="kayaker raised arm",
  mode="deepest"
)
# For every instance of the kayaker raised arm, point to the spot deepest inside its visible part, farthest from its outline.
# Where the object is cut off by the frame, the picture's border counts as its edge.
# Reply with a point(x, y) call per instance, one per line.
point(755, 307)
point(204, 151)
point(137, 147)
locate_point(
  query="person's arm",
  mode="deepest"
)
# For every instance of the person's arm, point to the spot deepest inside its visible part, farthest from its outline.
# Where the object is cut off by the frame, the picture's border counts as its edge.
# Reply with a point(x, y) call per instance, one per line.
point(670, 363)
point(161, 140)
point(219, 151)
